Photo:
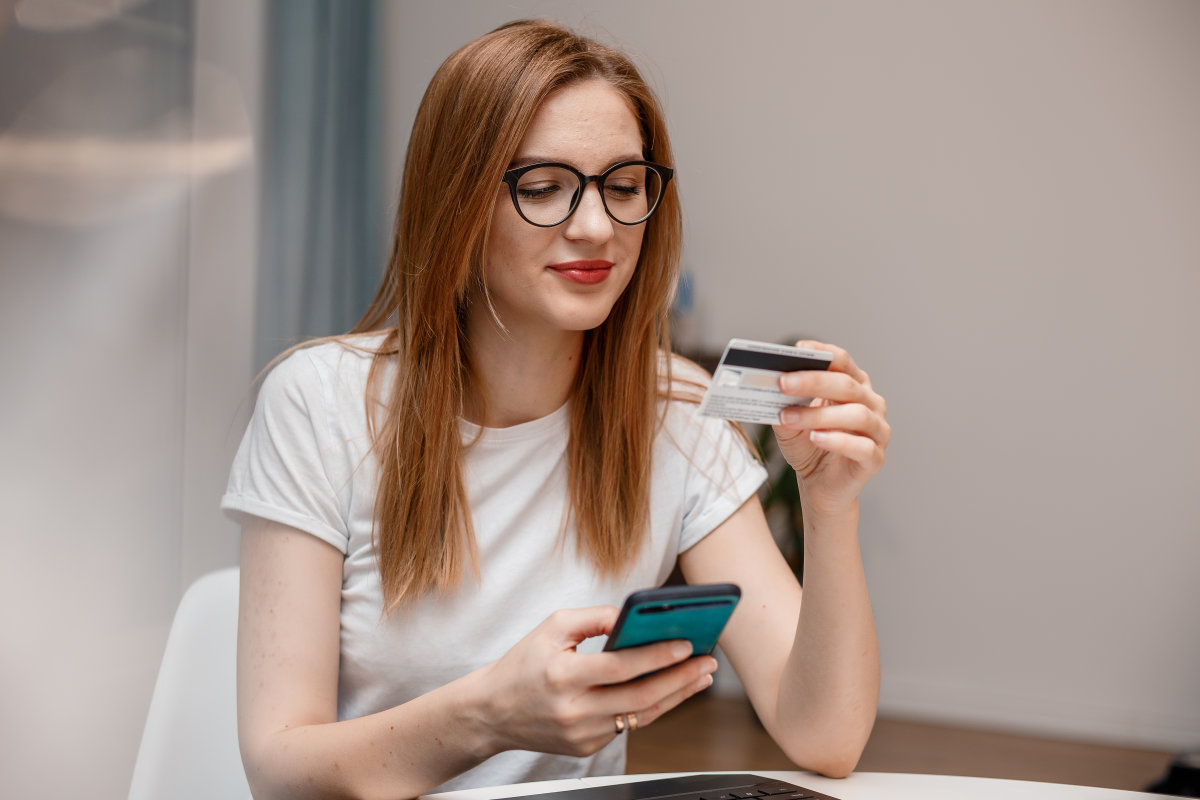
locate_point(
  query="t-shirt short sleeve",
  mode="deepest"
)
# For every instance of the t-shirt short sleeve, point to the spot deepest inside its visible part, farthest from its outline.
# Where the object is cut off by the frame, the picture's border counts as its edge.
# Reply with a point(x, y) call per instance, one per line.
point(722, 474)
point(289, 466)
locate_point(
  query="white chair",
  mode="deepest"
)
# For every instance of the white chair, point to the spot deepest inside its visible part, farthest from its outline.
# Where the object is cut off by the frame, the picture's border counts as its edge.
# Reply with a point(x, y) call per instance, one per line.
point(189, 746)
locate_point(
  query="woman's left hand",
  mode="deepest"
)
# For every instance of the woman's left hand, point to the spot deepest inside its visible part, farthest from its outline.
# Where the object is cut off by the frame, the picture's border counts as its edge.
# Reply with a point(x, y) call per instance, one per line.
point(838, 442)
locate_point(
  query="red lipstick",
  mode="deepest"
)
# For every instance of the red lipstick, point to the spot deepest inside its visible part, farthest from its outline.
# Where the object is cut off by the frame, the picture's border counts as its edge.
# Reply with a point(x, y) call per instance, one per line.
point(586, 272)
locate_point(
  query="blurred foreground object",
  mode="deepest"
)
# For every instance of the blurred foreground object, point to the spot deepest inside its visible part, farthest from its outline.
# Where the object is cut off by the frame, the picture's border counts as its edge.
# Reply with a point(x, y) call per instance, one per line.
point(95, 145)
point(1182, 778)
point(52, 16)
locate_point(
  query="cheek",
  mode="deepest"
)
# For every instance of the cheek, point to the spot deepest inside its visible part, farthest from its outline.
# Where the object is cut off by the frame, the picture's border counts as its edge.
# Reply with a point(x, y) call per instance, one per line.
point(513, 256)
point(504, 241)
point(632, 241)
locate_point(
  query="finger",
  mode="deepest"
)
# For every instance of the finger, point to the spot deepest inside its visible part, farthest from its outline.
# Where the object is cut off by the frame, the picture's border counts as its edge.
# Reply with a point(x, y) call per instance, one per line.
point(639, 718)
point(838, 387)
point(842, 361)
point(649, 696)
point(859, 449)
point(849, 418)
point(650, 713)
point(620, 666)
point(652, 696)
point(568, 627)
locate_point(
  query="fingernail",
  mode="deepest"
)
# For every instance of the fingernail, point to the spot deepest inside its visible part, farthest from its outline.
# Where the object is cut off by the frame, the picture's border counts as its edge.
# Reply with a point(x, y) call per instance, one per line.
point(709, 666)
point(819, 436)
point(704, 682)
point(789, 416)
point(681, 650)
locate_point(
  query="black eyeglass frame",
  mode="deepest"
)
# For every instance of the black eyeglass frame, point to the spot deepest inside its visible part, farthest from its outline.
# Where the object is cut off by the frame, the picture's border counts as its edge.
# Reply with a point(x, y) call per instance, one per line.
point(513, 175)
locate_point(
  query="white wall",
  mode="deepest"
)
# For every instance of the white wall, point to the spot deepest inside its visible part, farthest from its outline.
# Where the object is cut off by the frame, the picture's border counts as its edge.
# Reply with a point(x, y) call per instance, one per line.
point(126, 290)
point(996, 208)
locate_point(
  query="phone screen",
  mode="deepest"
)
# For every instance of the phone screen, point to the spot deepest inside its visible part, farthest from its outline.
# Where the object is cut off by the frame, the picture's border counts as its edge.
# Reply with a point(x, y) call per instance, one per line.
point(696, 613)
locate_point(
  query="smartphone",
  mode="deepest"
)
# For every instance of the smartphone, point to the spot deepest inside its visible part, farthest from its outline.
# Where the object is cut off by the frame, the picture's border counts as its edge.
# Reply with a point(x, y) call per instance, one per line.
point(696, 613)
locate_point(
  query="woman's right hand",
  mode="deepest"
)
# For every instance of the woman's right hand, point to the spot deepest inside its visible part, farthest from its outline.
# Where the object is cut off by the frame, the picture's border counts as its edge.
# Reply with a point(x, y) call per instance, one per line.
point(543, 695)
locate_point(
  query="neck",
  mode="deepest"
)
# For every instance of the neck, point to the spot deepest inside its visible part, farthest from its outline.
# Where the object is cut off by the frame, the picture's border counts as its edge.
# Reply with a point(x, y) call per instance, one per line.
point(518, 375)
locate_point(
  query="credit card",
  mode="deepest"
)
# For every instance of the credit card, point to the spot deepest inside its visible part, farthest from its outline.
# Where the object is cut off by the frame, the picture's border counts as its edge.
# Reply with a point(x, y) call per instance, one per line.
point(745, 385)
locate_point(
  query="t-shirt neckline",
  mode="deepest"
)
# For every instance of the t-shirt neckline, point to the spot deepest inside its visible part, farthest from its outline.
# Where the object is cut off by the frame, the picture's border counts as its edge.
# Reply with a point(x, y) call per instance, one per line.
point(535, 428)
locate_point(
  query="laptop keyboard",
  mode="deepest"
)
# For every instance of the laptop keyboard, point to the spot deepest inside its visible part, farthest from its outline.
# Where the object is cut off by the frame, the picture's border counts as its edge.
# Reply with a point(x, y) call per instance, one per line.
point(691, 787)
point(774, 790)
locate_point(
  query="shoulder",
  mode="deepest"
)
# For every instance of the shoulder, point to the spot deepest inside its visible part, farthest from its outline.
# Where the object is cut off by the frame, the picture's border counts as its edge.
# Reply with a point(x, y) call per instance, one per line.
point(327, 373)
point(706, 463)
point(681, 379)
point(682, 384)
point(343, 357)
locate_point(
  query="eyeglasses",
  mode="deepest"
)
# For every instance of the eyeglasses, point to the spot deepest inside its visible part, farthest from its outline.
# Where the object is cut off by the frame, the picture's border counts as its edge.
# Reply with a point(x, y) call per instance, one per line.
point(547, 194)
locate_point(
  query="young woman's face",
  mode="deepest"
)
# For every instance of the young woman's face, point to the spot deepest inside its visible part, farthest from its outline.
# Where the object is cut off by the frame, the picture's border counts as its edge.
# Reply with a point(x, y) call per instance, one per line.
point(566, 278)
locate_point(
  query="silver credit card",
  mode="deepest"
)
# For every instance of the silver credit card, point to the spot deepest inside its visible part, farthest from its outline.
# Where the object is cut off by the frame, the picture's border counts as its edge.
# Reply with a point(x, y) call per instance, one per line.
point(745, 385)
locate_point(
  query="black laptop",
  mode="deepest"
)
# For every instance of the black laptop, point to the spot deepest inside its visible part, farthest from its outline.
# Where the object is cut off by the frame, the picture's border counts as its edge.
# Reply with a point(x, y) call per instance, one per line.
point(691, 787)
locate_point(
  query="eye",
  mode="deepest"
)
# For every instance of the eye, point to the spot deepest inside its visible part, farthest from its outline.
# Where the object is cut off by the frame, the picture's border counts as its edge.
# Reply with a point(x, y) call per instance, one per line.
point(545, 183)
point(622, 191)
point(626, 184)
point(533, 192)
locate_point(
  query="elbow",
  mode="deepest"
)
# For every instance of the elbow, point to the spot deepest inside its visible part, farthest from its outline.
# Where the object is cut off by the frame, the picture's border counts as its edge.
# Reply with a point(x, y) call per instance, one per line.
point(272, 775)
point(831, 744)
point(257, 776)
point(831, 762)
point(830, 756)
point(835, 766)
point(279, 766)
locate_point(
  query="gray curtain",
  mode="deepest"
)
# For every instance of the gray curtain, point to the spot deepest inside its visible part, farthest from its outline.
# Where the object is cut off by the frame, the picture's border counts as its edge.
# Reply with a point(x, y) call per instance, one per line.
point(322, 215)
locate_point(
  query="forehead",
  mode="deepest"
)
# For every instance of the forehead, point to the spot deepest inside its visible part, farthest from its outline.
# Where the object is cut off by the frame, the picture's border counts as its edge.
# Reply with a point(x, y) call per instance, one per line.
point(589, 125)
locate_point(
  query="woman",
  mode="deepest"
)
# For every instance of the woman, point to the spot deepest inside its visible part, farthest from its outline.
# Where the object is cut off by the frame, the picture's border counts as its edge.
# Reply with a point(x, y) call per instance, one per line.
point(442, 509)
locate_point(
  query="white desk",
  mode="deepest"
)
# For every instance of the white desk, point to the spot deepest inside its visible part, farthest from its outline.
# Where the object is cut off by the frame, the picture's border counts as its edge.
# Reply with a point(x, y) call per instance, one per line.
point(859, 786)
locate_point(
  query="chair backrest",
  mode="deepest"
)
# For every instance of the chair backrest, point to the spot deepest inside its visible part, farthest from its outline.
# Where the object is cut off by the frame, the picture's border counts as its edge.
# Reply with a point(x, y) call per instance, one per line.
point(189, 745)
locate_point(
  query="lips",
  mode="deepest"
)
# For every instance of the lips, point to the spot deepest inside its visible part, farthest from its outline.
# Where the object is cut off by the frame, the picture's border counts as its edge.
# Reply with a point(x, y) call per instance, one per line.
point(585, 272)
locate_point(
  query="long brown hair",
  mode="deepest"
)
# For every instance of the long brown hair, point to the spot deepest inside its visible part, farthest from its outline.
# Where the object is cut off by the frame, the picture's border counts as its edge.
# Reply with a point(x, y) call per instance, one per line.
point(471, 121)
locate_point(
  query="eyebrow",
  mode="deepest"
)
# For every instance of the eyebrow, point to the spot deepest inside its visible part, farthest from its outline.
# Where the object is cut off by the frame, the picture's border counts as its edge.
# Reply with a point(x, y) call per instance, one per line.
point(525, 161)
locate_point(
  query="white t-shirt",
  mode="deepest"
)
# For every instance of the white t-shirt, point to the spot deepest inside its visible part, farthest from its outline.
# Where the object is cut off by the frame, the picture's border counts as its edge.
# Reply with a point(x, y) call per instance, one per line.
point(306, 462)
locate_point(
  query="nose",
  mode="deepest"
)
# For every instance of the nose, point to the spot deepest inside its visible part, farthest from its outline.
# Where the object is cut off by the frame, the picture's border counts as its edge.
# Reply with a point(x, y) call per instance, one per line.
point(590, 222)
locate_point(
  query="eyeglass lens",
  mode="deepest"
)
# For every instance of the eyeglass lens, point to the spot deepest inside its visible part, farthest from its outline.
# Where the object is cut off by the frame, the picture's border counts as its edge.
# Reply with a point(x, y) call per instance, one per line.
point(547, 195)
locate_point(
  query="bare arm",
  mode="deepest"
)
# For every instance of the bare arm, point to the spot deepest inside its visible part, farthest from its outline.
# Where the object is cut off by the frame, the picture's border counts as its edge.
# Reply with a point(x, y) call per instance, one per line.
point(288, 650)
point(812, 668)
point(541, 695)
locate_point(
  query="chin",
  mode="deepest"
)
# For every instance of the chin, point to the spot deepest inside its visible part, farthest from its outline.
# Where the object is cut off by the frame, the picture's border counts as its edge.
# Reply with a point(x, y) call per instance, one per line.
point(587, 318)
point(584, 325)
